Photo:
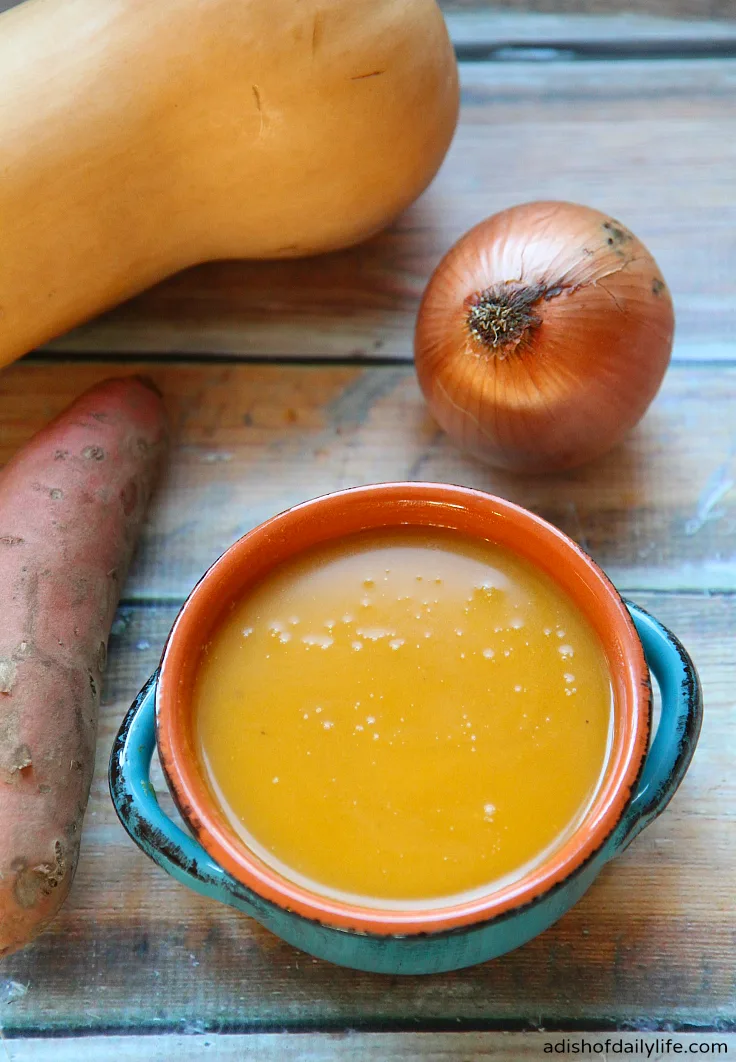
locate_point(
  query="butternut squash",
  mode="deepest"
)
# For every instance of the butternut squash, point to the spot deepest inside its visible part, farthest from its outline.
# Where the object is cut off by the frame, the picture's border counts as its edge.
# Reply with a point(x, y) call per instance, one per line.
point(140, 138)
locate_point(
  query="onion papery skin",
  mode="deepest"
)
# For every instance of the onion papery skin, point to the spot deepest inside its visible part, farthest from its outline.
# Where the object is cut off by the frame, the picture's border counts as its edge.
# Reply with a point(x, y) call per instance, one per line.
point(588, 322)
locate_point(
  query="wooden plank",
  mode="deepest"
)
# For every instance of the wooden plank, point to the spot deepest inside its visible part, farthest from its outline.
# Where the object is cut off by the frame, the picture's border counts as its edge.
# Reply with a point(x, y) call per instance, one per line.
point(700, 9)
point(653, 941)
point(650, 142)
point(471, 25)
point(659, 512)
point(362, 1047)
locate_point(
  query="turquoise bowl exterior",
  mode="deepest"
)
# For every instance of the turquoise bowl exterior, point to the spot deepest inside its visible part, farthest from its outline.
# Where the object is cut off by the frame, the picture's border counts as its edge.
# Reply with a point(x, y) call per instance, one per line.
point(177, 852)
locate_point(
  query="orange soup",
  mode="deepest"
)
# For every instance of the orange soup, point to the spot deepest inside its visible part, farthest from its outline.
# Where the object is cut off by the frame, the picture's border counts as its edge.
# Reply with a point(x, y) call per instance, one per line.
point(403, 717)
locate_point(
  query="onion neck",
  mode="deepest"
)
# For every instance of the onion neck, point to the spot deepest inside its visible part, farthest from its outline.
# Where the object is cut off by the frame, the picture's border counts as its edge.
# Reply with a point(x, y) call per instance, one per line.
point(501, 317)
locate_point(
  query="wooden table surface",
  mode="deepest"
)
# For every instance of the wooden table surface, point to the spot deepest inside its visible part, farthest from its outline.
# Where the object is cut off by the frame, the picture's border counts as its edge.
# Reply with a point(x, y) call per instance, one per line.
point(288, 380)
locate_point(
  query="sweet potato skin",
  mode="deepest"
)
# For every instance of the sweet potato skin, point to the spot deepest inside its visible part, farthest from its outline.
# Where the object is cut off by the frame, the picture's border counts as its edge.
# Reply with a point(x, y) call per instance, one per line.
point(71, 505)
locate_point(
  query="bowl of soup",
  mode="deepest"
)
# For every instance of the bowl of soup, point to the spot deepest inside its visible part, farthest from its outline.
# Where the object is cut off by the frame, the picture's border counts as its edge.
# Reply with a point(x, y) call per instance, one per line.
point(405, 726)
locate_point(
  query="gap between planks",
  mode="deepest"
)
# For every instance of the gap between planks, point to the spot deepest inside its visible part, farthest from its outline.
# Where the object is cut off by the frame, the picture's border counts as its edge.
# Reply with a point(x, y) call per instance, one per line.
point(51, 357)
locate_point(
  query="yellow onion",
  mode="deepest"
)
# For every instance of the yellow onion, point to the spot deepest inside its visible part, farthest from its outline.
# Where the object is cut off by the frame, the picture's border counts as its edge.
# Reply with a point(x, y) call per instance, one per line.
point(543, 336)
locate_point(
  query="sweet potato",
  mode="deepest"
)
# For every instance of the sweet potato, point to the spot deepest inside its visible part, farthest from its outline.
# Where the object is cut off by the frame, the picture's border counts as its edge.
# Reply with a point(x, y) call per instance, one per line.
point(71, 505)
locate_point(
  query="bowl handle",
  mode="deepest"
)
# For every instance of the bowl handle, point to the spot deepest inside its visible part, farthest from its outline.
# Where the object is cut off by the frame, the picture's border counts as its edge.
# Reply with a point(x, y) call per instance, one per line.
point(677, 733)
point(152, 830)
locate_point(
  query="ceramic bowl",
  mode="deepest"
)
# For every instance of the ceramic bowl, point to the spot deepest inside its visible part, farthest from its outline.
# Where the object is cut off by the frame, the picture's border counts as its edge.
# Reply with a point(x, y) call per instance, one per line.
point(638, 783)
